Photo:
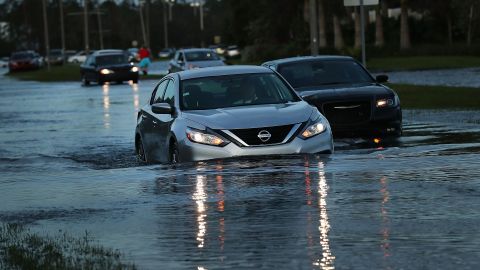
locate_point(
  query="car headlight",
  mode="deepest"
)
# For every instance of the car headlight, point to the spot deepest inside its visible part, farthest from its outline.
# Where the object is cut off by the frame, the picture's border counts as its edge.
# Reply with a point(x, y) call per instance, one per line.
point(314, 128)
point(134, 69)
point(106, 71)
point(204, 138)
point(388, 102)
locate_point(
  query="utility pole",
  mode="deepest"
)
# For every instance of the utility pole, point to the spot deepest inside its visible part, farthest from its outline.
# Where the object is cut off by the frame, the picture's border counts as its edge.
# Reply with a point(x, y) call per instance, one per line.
point(85, 25)
point(142, 23)
point(165, 24)
point(100, 28)
point(202, 26)
point(147, 22)
point(45, 26)
point(62, 29)
point(313, 27)
point(362, 27)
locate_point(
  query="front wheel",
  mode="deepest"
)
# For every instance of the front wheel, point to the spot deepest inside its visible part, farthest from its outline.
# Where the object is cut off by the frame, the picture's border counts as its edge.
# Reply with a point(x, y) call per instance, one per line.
point(174, 153)
point(85, 82)
point(141, 151)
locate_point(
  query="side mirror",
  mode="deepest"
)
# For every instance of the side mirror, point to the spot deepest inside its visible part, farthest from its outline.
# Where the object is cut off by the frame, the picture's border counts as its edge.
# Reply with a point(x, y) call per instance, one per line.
point(382, 78)
point(162, 108)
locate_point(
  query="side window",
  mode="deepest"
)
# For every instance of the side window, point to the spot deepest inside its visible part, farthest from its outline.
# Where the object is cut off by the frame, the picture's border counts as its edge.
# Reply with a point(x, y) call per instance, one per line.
point(169, 96)
point(180, 57)
point(158, 93)
point(89, 61)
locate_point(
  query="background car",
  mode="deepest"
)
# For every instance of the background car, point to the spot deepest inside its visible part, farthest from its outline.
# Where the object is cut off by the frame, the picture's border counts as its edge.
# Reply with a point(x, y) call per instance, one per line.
point(186, 59)
point(79, 57)
point(4, 62)
point(25, 60)
point(223, 112)
point(55, 57)
point(133, 55)
point(233, 51)
point(106, 66)
point(166, 53)
point(355, 103)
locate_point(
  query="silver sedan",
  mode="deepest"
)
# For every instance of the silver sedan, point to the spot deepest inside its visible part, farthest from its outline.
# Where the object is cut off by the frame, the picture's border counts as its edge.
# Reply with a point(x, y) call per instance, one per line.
point(224, 112)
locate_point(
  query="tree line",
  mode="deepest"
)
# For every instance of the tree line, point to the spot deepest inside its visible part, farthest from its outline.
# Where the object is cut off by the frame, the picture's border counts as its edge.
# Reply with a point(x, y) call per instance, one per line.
point(264, 28)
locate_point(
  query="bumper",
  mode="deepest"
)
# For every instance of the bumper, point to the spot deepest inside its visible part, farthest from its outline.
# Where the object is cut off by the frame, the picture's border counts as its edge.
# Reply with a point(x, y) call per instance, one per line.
point(190, 151)
point(118, 77)
point(387, 122)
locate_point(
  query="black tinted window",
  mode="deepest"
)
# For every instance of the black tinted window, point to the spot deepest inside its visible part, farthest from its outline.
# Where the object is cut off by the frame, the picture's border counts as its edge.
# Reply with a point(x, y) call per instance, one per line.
point(17, 56)
point(234, 90)
point(114, 59)
point(201, 56)
point(316, 73)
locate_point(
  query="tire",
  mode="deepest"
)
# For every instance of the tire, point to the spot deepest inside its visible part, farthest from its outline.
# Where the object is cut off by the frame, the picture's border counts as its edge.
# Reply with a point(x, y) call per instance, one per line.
point(119, 82)
point(140, 151)
point(85, 82)
point(101, 82)
point(174, 155)
point(135, 80)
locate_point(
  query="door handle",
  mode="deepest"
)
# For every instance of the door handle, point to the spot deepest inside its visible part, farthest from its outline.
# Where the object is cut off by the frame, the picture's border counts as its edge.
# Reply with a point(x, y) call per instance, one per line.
point(155, 122)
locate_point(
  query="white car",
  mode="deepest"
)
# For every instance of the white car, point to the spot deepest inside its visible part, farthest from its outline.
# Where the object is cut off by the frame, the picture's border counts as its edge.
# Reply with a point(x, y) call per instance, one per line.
point(78, 58)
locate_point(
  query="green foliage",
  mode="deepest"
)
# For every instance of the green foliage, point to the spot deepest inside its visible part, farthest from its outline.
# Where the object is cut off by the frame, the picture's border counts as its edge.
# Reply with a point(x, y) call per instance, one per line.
point(22, 249)
point(437, 97)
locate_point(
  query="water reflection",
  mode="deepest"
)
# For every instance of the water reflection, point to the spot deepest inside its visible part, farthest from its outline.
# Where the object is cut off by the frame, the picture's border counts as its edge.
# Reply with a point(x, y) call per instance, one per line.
point(106, 105)
point(136, 97)
point(327, 259)
point(220, 204)
point(385, 231)
point(200, 198)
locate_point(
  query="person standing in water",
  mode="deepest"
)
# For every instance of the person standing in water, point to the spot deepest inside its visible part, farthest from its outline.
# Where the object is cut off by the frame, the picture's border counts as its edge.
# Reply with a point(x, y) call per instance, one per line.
point(144, 55)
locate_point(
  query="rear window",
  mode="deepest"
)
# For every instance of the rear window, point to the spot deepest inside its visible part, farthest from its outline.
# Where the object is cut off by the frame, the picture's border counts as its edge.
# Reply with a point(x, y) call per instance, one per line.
point(201, 56)
point(17, 56)
point(234, 90)
point(112, 59)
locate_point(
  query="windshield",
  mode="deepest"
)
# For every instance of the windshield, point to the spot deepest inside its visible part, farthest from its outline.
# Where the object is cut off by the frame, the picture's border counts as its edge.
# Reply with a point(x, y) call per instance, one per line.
point(201, 56)
point(234, 90)
point(113, 59)
point(17, 56)
point(326, 72)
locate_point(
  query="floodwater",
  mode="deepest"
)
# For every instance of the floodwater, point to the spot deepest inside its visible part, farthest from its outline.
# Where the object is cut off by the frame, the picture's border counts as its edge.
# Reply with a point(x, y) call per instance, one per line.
point(466, 77)
point(67, 163)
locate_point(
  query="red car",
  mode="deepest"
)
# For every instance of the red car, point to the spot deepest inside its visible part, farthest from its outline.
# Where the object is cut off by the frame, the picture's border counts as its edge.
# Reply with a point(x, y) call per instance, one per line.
point(24, 60)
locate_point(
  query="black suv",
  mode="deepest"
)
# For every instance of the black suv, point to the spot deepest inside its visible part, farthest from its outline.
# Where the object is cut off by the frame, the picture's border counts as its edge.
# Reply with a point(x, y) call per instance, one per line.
point(108, 66)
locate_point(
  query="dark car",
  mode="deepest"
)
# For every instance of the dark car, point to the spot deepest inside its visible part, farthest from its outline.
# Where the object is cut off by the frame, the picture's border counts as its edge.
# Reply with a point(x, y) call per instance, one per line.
point(107, 66)
point(25, 60)
point(55, 57)
point(187, 59)
point(355, 103)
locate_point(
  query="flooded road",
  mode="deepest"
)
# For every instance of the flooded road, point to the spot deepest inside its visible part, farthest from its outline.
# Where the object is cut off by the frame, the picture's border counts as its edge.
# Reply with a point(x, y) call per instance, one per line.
point(67, 163)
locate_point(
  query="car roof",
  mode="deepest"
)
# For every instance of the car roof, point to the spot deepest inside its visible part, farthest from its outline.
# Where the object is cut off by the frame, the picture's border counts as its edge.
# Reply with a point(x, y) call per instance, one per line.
point(307, 58)
point(221, 71)
point(106, 52)
point(196, 50)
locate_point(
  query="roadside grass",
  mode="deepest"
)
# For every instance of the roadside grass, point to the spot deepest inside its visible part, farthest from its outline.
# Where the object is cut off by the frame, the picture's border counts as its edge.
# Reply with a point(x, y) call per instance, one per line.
point(437, 97)
point(22, 249)
point(422, 63)
point(67, 72)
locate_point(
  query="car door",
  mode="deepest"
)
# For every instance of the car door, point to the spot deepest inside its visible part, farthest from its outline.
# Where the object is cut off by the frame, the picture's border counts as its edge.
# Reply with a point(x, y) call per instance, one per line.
point(165, 121)
point(149, 121)
point(88, 69)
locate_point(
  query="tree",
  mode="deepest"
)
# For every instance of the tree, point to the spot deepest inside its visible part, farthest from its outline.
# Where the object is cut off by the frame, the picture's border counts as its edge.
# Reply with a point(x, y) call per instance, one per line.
point(404, 28)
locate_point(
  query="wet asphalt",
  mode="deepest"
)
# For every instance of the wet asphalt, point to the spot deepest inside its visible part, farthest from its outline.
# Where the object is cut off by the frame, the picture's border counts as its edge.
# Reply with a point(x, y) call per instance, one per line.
point(67, 163)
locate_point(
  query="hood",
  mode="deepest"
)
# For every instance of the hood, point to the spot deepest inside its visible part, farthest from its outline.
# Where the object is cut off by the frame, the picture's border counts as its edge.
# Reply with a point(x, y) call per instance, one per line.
point(203, 64)
point(116, 66)
point(345, 92)
point(255, 116)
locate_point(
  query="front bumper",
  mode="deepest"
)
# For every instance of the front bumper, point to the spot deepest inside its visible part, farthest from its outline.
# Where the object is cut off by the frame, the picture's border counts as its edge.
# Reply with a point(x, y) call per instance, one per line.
point(190, 151)
point(384, 122)
point(118, 76)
